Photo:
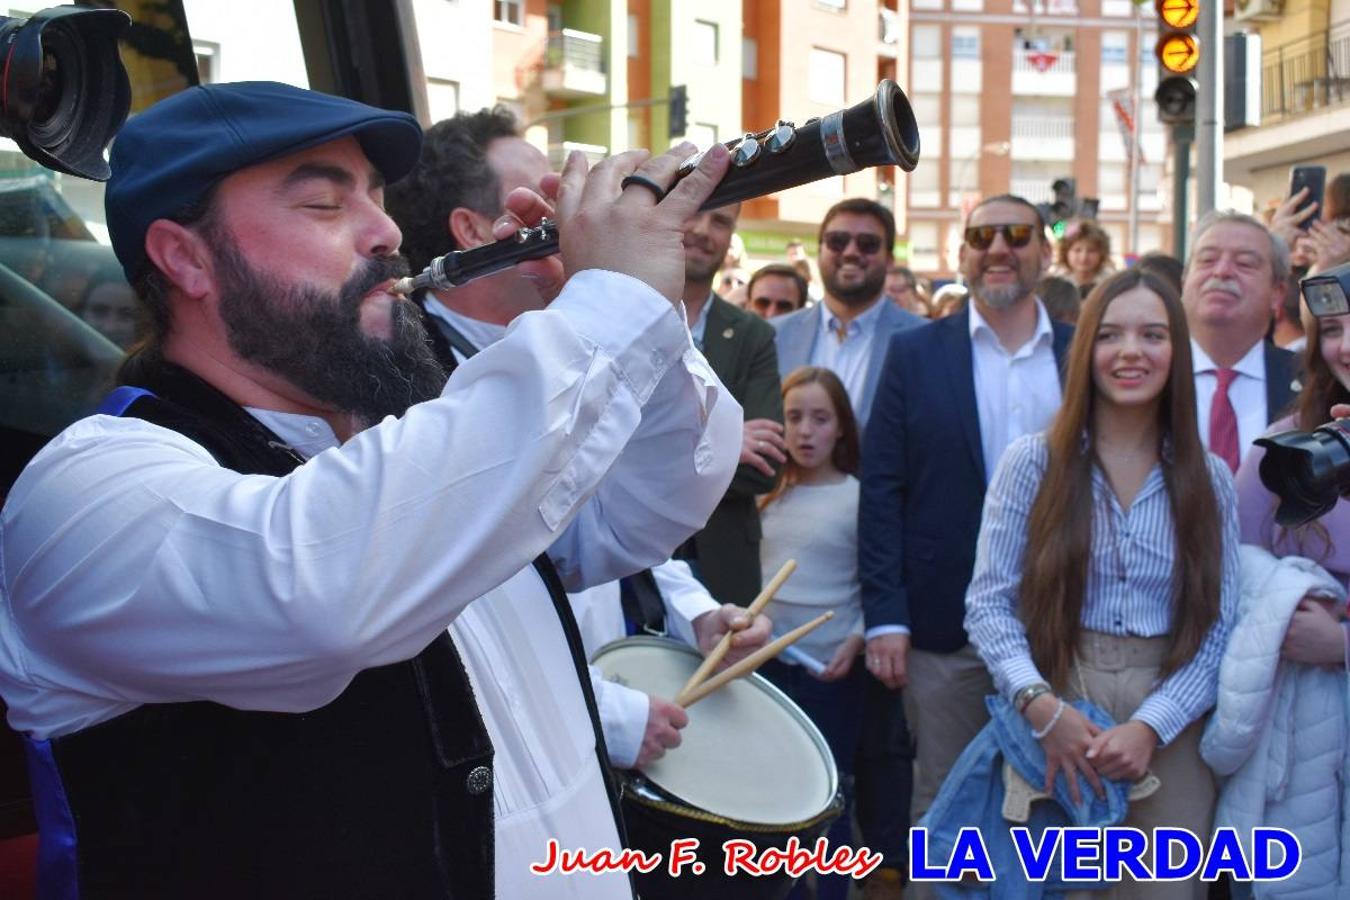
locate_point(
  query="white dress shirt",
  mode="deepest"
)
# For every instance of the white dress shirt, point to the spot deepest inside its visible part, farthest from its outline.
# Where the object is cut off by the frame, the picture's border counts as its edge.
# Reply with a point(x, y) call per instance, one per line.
point(1247, 393)
point(598, 609)
point(1016, 392)
point(134, 569)
point(850, 357)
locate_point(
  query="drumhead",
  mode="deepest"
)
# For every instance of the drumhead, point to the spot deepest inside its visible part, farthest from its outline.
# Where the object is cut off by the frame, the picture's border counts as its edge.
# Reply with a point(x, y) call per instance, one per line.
point(748, 753)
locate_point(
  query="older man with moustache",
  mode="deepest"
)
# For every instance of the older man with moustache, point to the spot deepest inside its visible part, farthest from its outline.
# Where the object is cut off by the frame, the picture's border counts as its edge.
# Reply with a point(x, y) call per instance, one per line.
point(952, 395)
point(1234, 281)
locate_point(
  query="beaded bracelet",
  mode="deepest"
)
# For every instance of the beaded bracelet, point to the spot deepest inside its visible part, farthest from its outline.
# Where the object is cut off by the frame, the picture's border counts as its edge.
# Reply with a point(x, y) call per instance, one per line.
point(1050, 726)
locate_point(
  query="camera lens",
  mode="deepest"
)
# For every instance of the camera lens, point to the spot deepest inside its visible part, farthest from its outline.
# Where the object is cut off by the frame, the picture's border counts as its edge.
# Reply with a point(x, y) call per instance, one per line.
point(1307, 471)
point(65, 91)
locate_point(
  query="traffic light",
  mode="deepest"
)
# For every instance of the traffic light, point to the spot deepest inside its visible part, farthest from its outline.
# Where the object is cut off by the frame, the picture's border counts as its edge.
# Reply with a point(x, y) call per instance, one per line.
point(1178, 53)
point(679, 110)
point(1065, 205)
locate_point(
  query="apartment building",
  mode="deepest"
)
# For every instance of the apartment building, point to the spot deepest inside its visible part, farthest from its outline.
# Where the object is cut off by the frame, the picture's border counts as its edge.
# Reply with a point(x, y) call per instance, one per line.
point(1303, 67)
point(1014, 94)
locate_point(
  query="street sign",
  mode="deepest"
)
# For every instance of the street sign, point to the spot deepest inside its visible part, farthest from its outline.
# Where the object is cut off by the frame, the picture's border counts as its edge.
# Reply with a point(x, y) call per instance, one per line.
point(1177, 13)
point(1179, 52)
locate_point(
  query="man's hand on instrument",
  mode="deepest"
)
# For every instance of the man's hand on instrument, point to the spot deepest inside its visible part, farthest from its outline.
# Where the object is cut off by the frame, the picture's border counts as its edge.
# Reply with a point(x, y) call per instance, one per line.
point(525, 209)
point(747, 636)
point(664, 721)
point(604, 225)
point(887, 658)
point(842, 661)
point(762, 444)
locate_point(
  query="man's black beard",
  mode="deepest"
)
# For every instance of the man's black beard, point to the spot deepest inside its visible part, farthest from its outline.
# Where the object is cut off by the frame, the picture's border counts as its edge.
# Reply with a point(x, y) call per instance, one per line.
point(313, 338)
point(869, 290)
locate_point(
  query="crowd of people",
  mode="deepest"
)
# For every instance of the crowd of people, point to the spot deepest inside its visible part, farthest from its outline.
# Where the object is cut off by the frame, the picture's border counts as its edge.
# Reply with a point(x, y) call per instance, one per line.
point(306, 609)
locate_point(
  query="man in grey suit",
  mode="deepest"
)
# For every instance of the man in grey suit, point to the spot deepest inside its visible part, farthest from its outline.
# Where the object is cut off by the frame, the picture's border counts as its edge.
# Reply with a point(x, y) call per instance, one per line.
point(848, 332)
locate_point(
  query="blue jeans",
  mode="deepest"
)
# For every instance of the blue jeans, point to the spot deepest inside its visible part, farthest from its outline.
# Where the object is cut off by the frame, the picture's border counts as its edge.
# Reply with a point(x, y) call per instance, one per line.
point(836, 708)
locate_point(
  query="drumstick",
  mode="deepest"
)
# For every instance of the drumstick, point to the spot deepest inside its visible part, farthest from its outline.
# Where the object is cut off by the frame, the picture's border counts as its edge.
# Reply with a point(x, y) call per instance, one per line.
point(719, 651)
point(754, 660)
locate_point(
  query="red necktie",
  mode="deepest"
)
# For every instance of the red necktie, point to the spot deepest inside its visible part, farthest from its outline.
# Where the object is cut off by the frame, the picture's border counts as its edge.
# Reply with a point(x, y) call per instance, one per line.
point(1223, 427)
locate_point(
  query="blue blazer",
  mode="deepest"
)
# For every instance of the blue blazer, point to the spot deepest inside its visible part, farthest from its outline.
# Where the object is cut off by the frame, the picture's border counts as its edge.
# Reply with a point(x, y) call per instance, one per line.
point(799, 331)
point(923, 483)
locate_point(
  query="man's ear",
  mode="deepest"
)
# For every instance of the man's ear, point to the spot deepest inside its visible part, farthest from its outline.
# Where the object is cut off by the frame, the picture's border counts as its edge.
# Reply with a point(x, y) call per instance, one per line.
point(182, 255)
point(469, 229)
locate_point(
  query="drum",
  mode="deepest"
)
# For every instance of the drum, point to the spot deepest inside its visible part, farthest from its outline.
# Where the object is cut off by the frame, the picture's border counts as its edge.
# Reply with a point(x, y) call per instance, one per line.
point(751, 767)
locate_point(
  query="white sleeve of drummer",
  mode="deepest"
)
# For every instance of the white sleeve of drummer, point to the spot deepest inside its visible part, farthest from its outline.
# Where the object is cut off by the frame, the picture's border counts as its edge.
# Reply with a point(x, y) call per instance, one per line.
point(623, 718)
point(134, 569)
point(685, 599)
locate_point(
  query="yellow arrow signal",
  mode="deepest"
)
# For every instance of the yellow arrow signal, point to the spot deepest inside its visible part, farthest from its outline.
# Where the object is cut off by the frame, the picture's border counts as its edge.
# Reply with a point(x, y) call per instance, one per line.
point(1178, 52)
point(1178, 13)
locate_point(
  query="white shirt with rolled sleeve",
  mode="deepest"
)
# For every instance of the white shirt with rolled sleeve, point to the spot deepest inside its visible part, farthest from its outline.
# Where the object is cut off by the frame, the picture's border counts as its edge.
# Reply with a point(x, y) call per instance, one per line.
point(134, 569)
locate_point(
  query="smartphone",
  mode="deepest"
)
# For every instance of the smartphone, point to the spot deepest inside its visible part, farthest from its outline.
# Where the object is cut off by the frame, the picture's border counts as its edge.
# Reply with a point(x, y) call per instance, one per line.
point(1314, 178)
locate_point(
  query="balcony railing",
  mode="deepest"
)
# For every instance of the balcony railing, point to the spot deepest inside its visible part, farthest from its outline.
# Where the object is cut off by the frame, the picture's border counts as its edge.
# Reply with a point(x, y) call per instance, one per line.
point(1308, 74)
point(1062, 63)
point(574, 64)
point(1043, 128)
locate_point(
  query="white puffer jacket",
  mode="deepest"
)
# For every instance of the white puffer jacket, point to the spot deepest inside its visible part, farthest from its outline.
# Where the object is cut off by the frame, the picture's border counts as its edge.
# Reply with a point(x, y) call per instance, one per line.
point(1280, 731)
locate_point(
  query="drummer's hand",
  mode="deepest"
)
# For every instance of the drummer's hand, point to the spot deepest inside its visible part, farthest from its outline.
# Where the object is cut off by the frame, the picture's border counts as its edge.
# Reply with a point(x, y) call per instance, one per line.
point(887, 656)
point(664, 721)
point(605, 226)
point(525, 209)
point(747, 636)
point(842, 661)
point(1340, 411)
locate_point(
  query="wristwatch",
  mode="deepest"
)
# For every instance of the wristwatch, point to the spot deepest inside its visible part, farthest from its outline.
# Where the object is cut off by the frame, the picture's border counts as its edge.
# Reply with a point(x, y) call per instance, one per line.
point(1022, 699)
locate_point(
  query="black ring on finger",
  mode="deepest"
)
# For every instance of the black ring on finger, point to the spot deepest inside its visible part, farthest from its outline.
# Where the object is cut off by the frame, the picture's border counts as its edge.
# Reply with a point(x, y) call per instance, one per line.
point(657, 191)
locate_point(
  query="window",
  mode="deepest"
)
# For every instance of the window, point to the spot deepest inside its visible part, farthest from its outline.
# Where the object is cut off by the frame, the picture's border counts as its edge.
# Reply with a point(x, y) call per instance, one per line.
point(965, 109)
point(833, 4)
point(509, 12)
point(208, 61)
point(749, 58)
point(442, 98)
point(1115, 47)
point(632, 36)
point(965, 42)
point(926, 42)
point(825, 77)
point(705, 43)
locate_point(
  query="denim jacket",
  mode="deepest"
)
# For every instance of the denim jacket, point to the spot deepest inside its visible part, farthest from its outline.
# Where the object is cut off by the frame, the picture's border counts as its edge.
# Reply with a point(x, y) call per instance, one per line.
point(972, 795)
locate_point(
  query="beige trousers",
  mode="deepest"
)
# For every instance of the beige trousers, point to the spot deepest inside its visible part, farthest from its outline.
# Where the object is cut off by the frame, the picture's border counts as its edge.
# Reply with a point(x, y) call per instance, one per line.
point(944, 708)
point(1117, 674)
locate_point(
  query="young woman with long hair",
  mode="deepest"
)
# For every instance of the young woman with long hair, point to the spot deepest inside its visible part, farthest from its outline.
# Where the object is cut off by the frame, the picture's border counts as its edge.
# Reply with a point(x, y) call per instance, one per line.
point(1106, 567)
point(812, 517)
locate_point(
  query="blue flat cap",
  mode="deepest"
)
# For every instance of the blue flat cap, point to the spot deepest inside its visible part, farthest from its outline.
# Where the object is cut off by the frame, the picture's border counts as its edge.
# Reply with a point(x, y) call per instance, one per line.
point(169, 156)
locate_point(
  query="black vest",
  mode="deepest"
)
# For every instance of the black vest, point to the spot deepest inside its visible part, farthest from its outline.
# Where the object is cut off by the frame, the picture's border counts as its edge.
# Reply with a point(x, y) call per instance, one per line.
point(384, 792)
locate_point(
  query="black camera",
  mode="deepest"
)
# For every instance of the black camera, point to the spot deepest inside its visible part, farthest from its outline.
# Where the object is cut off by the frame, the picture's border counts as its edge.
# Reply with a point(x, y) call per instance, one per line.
point(63, 90)
point(1309, 471)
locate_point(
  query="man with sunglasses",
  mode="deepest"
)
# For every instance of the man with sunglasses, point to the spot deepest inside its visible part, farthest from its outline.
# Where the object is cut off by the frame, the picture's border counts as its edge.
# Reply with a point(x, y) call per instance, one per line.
point(847, 332)
point(776, 289)
point(952, 395)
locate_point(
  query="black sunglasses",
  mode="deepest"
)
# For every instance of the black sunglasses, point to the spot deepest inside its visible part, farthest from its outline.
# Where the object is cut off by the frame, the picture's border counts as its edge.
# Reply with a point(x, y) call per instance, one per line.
point(981, 237)
point(838, 242)
point(782, 305)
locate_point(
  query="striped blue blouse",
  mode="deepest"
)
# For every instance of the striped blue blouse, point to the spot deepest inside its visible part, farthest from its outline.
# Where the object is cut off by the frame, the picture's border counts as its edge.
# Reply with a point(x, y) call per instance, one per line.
point(1129, 587)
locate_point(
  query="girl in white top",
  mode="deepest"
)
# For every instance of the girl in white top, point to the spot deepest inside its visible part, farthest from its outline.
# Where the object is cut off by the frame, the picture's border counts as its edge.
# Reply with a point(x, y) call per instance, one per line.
point(812, 517)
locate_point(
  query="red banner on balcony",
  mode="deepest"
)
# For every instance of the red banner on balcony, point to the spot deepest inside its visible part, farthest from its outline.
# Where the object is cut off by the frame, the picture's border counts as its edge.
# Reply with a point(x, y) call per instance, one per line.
point(1042, 60)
